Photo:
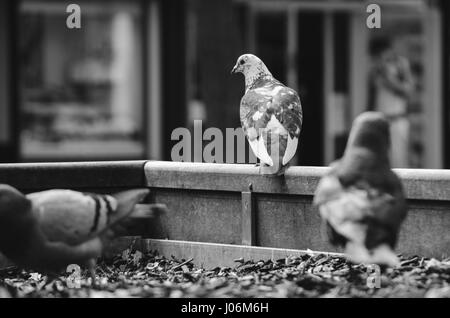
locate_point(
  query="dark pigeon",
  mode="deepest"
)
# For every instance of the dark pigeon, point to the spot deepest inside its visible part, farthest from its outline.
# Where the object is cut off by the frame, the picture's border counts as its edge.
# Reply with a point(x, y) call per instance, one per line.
point(361, 200)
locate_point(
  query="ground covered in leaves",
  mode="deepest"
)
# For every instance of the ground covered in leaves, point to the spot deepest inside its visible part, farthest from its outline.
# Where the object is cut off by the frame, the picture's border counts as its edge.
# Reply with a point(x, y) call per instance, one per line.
point(133, 274)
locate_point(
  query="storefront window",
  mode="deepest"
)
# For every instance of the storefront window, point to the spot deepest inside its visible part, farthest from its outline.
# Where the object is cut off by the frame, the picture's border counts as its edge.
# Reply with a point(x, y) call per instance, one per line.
point(81, 89)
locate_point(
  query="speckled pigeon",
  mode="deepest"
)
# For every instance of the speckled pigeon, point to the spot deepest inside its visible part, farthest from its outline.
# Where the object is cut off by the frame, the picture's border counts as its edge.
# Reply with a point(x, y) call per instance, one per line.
point(51, 229)
point(361, 200)
point(271, 115)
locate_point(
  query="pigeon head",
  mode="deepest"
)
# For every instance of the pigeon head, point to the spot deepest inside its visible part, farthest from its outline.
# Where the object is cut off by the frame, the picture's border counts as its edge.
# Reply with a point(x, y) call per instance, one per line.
point(370, 130)
point(13, 204)
point(252, 67)
point(16, 220)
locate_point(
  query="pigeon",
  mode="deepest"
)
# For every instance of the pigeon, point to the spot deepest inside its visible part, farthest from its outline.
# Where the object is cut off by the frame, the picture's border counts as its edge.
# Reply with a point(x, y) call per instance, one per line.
point(271, 115)
point(361, 200)
point(51, 229)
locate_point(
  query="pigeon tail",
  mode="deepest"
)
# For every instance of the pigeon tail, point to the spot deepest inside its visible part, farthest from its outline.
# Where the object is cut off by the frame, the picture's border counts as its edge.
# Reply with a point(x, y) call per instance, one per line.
point(126, 201)
point(276, 144)
point(381, 255)
point(357, 253)
point(384, 255)
point(275, 170)
point(149, 211)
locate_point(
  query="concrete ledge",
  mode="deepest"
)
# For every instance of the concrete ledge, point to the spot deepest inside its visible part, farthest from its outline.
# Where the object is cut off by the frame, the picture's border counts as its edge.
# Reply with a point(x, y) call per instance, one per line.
point(205, 201)
point(34, 176)
point(419, 184)
point(230, 177)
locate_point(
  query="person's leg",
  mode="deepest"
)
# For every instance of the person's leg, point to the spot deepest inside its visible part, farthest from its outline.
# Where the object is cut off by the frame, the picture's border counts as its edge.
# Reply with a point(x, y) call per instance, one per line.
point(399, 129)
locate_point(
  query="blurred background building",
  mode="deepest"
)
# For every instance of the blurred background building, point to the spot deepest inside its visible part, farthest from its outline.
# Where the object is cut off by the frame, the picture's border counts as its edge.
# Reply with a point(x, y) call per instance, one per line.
point(116, 88)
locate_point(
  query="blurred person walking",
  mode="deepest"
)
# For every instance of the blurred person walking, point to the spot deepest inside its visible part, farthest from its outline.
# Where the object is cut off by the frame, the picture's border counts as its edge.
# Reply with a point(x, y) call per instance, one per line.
point(392, 83)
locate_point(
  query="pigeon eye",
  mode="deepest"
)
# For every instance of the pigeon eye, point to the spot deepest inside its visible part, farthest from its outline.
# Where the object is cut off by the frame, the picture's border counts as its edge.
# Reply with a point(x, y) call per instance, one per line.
point(242, 62)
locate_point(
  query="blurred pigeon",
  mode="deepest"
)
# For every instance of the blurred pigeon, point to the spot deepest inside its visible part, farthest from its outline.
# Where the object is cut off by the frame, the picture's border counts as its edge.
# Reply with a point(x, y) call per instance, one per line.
point(271, 115)
point(51, 229)
point(361, 200)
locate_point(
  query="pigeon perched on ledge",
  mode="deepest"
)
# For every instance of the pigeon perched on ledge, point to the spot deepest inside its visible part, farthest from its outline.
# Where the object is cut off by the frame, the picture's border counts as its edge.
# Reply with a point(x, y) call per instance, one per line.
point(51, 229)
point(361, 200)
point(271, 115)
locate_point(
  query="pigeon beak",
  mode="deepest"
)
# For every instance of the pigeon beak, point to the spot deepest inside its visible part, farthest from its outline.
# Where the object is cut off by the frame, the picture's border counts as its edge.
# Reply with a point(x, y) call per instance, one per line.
point(234, 70)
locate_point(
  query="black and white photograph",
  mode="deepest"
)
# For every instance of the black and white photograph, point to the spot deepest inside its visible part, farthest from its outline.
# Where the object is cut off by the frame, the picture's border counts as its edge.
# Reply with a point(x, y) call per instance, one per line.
point(224, 152)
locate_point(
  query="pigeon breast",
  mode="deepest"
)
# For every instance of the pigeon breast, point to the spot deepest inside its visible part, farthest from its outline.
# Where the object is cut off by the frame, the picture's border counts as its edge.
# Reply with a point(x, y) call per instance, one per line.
point(349, 211)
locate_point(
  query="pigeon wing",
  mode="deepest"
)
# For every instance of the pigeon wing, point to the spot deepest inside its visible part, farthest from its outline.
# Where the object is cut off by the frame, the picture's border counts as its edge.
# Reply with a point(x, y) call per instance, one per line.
point(254, 119)
point(73, 217)
point(70, 216)
point(288, 111)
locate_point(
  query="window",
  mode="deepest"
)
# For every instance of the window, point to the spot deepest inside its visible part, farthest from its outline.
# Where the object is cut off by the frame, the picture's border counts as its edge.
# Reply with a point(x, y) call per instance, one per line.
point(81, 89)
